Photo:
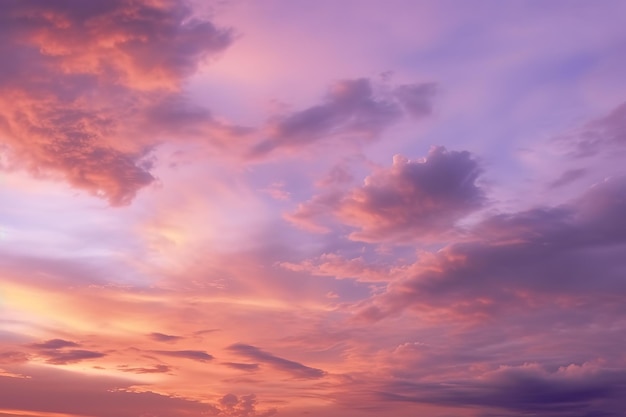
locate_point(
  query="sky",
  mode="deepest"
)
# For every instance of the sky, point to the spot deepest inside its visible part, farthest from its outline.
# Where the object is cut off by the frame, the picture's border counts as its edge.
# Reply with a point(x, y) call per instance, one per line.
point(291, 208)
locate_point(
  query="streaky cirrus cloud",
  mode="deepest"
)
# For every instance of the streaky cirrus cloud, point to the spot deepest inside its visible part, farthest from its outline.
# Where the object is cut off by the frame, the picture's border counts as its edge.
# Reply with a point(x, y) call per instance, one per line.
point(63, 352)
point(90, 86)
point(161, 337)
point(602, 134)
point(248, 367)
point(351, 110)
point(54, 344)
point(296, 369)
point(194, 355)
point(156, 369)
point(75, 394)
point(408, 201)
point(340, 267)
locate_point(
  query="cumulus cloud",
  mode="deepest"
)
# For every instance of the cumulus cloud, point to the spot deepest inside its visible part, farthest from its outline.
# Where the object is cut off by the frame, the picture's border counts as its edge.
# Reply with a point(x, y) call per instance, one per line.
point(88, 90)
point(296, 369)
point(351, 109)
point(572, 253)
point(410, 200)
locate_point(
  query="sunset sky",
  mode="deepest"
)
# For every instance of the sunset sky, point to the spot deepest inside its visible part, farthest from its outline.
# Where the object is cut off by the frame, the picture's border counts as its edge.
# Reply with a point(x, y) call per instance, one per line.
point(324, 208)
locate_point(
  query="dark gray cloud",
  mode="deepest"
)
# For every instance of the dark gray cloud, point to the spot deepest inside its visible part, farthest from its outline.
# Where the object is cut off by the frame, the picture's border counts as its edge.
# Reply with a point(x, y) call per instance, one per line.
point(91, 86)
point(195, 355)
point(295, 369)
point(409, 201)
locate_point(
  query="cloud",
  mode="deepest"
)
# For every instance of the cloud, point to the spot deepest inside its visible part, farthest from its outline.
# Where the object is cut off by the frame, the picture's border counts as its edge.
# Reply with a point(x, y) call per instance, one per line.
point(296, 369)
point(54, 344)
point(570, 253)
point(350, 110)
point(56, 352)
point(13, 357)
point(243, 406)
point(249, 367)
point(87, 395)
point(89, 90)
point(156, 369)
point(195, 355)
point(417, 99)
point(70, 356)
point(604, 134)
point(160, 337)
point(410, 200)
point(568, 177)
point(333, 265)
point(570, 391)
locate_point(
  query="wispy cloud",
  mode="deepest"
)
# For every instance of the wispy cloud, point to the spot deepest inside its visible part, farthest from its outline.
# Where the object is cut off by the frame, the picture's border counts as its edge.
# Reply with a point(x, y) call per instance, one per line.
point(296, 369)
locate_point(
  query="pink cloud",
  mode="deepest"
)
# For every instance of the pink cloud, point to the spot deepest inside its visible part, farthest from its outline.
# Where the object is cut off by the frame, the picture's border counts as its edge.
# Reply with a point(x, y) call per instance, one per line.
point(89, 91)
point(409, 201)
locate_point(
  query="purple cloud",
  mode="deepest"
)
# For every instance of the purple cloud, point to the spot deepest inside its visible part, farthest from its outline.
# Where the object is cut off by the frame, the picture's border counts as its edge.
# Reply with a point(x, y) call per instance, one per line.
point(568, 177)
point(243, 406)
point(54, 344)
point(350, 109)
point(572, 391)
point(600, 135)
point(568, 251)
point(296, 369)
point(248, 367)
point(160, 337)
point(410, 200)
point(56, 352)
point(74, 394)
point(156, 369)
point(64, 357)
point(195, 355)
point(417, 99)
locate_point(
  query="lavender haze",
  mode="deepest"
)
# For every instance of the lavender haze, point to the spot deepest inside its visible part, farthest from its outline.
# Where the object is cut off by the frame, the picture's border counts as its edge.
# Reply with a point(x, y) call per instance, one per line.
point(353, 208)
